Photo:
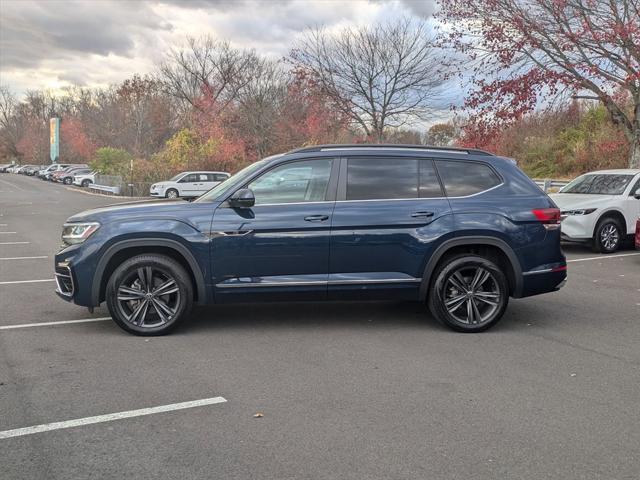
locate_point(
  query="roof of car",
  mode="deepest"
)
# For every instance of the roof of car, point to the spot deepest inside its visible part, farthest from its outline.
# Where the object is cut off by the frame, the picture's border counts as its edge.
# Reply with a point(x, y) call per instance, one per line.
point(389, 146)
point(618, 171)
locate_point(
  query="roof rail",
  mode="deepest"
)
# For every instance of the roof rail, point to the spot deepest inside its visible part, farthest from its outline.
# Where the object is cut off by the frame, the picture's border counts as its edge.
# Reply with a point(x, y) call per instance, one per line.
point(389, 146)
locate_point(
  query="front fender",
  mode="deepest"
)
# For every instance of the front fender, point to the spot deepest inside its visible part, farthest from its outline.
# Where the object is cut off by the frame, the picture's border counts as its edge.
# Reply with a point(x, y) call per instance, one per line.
point(190, 243)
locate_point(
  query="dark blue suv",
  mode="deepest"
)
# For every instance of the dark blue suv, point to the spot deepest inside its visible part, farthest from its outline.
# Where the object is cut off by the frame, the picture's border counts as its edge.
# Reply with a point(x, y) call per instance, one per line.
point(459, 229)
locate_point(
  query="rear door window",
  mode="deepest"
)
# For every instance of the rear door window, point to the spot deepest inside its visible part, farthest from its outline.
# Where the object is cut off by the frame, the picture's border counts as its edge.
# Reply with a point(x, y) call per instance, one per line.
point(391, 178)
point(463, 178)
point(382, 178)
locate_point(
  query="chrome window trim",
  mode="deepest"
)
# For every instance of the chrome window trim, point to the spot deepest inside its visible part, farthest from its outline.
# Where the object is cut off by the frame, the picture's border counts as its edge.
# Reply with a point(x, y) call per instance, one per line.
point(383, 199)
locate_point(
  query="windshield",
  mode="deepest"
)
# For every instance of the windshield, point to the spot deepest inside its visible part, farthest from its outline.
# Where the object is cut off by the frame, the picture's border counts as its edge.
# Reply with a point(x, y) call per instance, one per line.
point(176, 177)
point(598, 184)
point(231, 182)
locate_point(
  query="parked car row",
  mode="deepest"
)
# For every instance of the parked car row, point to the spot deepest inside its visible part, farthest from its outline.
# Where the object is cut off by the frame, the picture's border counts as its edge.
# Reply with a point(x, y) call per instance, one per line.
point(29, 170)
point(78, 174)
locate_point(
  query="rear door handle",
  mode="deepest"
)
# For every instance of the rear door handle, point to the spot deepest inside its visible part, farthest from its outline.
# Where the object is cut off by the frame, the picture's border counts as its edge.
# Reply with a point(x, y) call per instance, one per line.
point(422, 214)
point(316, 218)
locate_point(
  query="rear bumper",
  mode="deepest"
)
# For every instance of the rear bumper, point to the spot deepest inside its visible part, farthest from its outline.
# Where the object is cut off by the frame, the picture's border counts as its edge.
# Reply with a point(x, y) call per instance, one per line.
point(542, 281)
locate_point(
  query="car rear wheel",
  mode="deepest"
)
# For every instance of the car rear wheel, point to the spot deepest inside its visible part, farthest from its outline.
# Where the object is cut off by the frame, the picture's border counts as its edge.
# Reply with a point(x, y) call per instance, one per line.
point(608, 236)
point(172, 193)
point(469, 293)
point(149, 295)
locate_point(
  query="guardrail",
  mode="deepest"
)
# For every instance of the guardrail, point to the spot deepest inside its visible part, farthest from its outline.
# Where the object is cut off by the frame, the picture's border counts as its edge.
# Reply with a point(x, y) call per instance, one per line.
point(105, 189)
point(547, 184)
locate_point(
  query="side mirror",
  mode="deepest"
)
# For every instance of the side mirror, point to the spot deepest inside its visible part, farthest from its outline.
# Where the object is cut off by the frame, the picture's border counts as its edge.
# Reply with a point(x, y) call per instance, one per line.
point(636, 194)
point(243, 198)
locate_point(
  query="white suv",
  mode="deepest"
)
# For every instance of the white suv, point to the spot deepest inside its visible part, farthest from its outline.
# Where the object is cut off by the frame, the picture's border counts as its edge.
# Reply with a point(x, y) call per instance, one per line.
point(84, 179)
point(601, 207)
point(188, 184)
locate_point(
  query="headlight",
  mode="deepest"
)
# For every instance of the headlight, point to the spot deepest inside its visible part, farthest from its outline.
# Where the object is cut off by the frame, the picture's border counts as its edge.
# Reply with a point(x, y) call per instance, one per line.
point(581, 211)
point(73, 233)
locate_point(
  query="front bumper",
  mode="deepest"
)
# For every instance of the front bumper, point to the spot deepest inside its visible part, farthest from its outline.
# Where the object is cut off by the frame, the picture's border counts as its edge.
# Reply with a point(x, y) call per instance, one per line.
point(578, 228)
point(74, 269)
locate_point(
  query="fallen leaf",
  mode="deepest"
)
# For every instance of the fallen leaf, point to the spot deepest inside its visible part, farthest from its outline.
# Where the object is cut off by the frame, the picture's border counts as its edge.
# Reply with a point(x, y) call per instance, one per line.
point(258, 415)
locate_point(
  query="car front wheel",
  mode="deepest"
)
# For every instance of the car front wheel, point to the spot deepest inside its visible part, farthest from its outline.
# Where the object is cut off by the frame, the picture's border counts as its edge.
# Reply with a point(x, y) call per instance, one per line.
point(149, 295)
point(86, 183)
point(608, 236)
point(172, 193)
point(469, 293)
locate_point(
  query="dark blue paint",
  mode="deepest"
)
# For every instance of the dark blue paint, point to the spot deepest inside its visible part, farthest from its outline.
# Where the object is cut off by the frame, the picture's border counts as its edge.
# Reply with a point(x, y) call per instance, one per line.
point(376, 249)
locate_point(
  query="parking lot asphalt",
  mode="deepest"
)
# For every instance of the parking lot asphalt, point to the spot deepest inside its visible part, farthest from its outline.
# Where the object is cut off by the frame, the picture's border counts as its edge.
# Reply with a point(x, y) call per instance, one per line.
point(347, 390)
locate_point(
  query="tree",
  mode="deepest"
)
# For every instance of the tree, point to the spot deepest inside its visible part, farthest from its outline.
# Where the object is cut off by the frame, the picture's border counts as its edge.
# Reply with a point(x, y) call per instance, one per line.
point(381, 77)
point(9, 124)
point(441, 134)
point(75, 144)
point(207, 67)
point(112, 161)
point(525, 50)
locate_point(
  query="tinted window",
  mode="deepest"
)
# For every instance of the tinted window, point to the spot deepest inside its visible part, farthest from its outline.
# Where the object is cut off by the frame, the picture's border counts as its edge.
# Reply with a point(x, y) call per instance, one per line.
point(635, 188)
point(305, 181)
point(429, 184)
point(382, 178)
point(598, 184)
point(466, 178)
point(220, 177)
point(191, 178)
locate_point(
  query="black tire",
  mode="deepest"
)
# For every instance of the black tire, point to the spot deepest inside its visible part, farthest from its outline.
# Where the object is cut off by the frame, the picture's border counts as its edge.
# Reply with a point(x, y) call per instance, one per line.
point(86, 183)
point(130, 279)
point(490, 296)
point(172, 193)
point(608, 236)
point(67, 180)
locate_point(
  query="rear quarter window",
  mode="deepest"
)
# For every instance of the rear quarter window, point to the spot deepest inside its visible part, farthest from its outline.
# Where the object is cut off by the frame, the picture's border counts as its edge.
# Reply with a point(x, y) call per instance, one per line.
point(464, 178)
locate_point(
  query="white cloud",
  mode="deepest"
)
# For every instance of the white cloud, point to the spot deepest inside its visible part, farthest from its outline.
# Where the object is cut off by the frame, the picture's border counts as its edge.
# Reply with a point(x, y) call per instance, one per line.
point(52, 44)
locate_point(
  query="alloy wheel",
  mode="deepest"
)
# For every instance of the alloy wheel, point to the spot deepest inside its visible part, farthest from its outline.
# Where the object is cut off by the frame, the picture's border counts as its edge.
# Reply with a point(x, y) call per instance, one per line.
point(148, 297)
point(609, 236)
point(472, 295)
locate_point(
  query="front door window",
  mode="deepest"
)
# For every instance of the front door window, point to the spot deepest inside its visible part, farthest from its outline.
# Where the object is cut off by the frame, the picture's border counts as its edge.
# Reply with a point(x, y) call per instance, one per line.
point(297, 182)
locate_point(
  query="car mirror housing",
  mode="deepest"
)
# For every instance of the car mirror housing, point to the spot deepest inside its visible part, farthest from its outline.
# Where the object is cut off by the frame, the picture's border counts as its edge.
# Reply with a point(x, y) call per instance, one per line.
point(243, 198)
point(636, 194)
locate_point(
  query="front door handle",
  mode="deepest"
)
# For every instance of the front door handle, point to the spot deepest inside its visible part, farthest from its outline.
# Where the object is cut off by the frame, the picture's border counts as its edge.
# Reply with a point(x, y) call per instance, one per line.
point(422, 214)
point(316, 218)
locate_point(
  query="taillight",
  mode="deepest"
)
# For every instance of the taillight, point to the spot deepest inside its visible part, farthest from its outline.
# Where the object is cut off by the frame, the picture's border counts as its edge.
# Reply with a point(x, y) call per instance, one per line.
point(550, 217)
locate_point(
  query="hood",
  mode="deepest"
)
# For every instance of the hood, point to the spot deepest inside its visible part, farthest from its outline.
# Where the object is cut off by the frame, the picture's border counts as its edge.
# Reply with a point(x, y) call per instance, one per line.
point(572, 201)
point(145, 208)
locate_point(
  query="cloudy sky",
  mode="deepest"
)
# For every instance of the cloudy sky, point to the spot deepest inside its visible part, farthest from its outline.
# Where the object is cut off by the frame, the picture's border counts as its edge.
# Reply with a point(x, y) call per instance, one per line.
point(52, 44)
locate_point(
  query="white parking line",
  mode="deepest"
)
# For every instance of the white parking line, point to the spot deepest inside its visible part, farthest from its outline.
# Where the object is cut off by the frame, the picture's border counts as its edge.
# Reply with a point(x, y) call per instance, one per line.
point(604, 257)
point(15, 243)
point(23, 258)
point(47, 427)
point(48, 324)
point(6, 233)
point(27, 281)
